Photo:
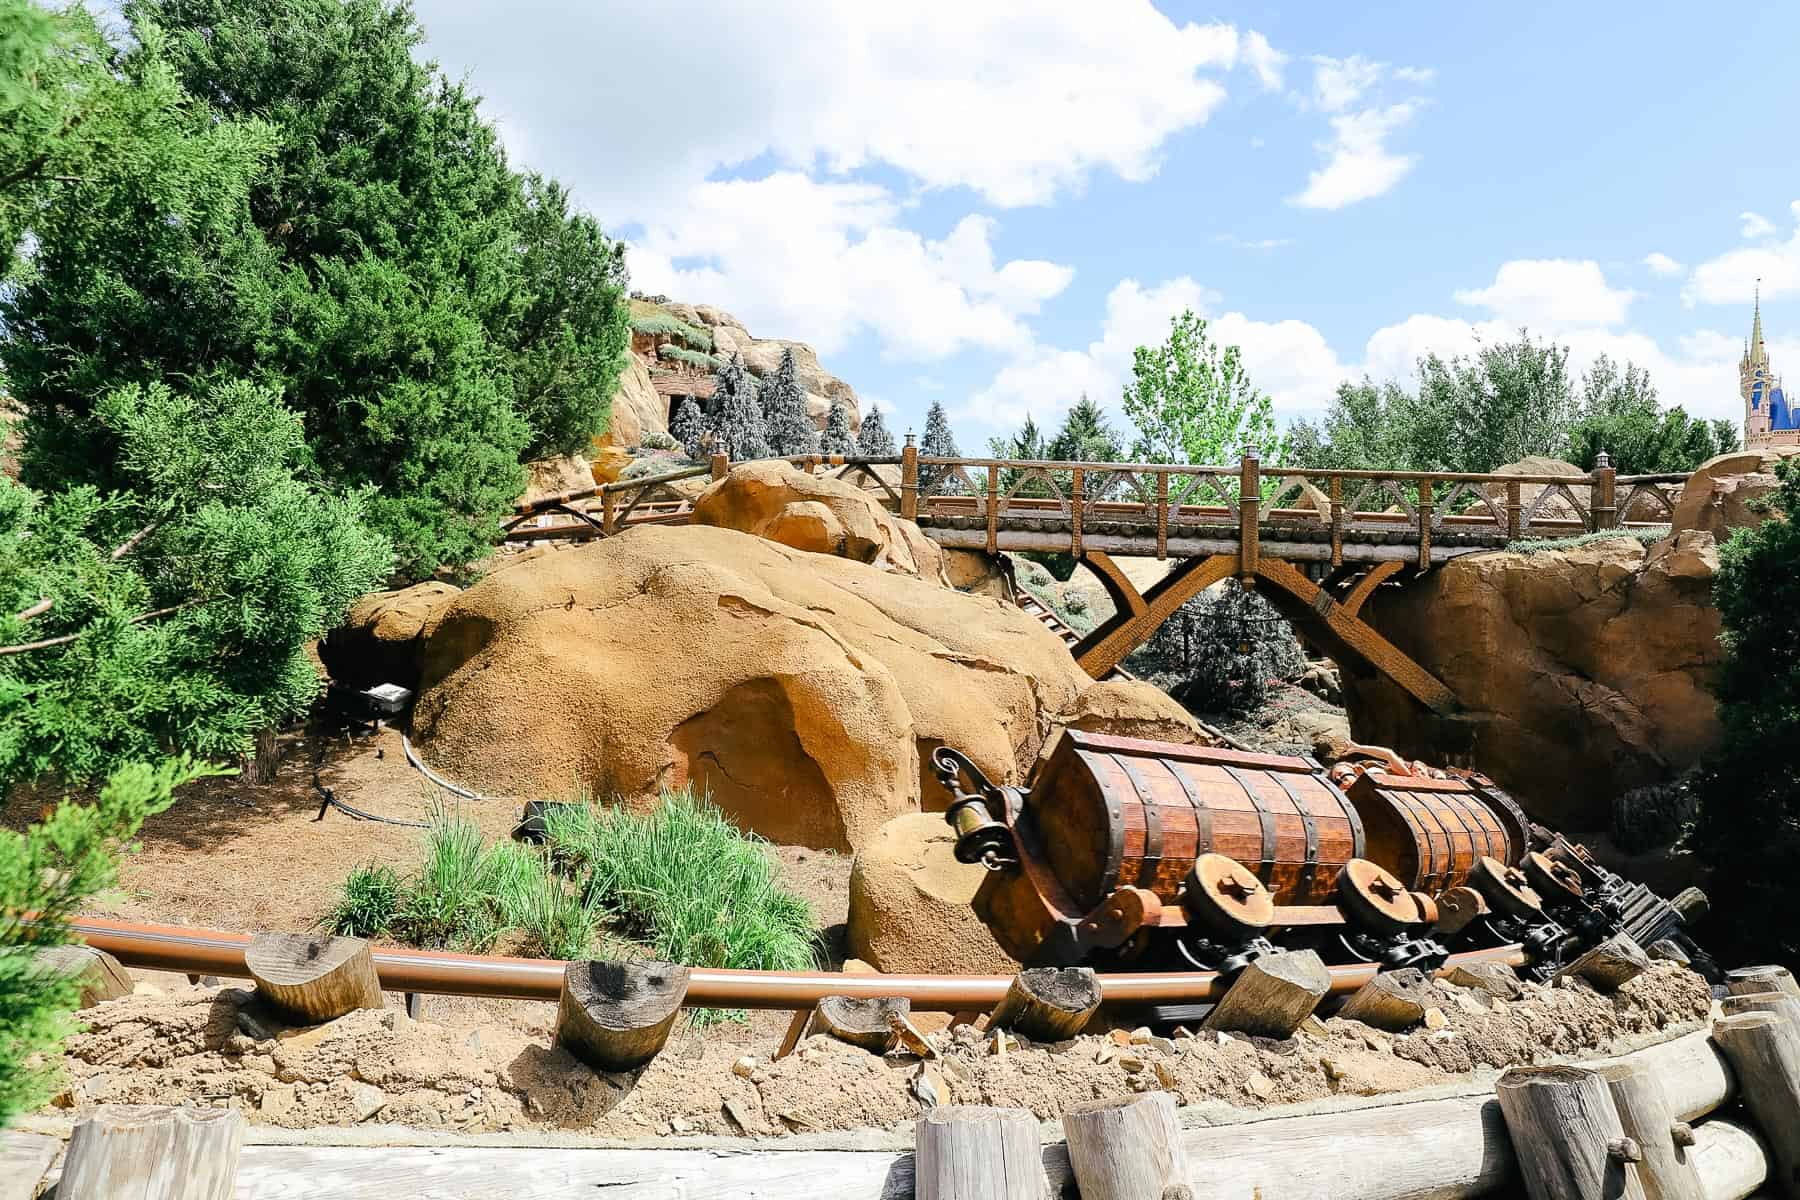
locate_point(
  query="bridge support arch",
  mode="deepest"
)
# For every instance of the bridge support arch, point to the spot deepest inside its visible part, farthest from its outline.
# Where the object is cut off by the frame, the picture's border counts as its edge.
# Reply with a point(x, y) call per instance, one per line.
point(1335, 629)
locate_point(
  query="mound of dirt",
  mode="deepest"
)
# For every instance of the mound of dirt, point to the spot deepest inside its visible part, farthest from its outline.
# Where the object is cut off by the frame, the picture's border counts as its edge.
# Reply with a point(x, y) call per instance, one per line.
point(219, 1046)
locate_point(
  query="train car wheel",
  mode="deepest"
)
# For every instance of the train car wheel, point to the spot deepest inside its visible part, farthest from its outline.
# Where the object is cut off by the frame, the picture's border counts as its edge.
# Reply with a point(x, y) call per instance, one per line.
point(1226, 897)
point(1506, 888)
point(1376, 900)
point(1551, 878)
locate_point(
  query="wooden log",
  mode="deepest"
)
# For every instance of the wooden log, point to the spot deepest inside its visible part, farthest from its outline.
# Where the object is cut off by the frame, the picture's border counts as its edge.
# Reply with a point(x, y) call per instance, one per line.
point(1497, 979)
point(1666, 1172)
point(1730, 1160)
point(1610, 965)
point(1393, 1000)
point(1127, 1149)
point(1779, 1003)
point(101, 976)
point(860, 1022)
point(1766, 978)
point(310, 978)
point(1669, 950)
point(1567, 1136)
point(972, 1152)
point(141, 1152)
point(616, 1016)
point(24, 1160)
point(1048, 1004)
point(1272, 995)
point(1764, 1050)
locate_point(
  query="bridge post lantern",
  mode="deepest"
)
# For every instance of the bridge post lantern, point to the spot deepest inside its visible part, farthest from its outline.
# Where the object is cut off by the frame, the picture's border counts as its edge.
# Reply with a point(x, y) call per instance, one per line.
point(1249, 514)
point(721, 466)
point(1603, 497)
point(909, 479)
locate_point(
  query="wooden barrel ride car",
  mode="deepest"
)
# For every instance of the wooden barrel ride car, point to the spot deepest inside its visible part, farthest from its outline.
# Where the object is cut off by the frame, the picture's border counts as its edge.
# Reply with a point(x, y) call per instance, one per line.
point(1431, 832)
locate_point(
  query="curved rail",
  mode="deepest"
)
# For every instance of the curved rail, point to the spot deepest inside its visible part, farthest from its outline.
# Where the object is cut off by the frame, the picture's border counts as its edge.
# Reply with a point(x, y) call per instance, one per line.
point(217, 952)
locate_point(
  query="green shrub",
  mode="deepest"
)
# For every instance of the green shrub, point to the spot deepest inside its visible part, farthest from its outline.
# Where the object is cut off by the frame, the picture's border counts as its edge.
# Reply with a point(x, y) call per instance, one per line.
point(367, 904)
point(449, 901)
point(1220, 651)
point(687, 883)
point(656, 439)
point(1075, 602)
point(661, 324)
point(1649, 536)
point(694, 358)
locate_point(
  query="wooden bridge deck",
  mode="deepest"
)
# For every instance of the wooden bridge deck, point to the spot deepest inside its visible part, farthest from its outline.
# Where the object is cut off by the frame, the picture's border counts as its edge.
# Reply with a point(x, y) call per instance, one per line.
point(1321, 540)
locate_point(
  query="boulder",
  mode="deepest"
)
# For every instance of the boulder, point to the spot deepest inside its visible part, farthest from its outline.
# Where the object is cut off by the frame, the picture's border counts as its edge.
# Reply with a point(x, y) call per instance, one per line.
point(1581, 673)
point(1129, 708)
point(1557, 508)
point(976, 571)
point(1716, 498)
point(549, 476)
point(774, 500)
point(382, 639)
point(803, 691)
point(637, 409)
point(910, 903)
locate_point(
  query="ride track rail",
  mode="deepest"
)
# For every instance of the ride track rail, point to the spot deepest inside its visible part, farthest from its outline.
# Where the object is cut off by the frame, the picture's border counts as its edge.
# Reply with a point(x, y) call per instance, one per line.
point(219, 952)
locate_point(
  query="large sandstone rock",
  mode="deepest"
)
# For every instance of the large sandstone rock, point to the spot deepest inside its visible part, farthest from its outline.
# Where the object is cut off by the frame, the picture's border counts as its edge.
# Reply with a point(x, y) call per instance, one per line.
point(1128, 708)
point(910, 903)
point(803, 691)
point(762, 356)
point(774, 500)
point(1582, 672)
point(976, 571)
point(382, 639)
point(550, 476)
point(637, 409)
point(1717, 496)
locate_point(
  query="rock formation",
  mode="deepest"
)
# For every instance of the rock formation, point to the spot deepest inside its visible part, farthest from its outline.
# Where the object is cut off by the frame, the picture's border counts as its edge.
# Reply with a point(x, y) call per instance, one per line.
point(910, 903)
point(382, 639)
point(774, 500)
point(1582, 672)
point(1555, 508)
point(763, 355)
point(803, 691)
point(1718, 494)
point(637, 409)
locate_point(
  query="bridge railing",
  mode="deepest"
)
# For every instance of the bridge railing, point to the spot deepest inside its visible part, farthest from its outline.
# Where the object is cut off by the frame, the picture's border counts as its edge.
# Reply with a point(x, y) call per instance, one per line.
point(1247, 503)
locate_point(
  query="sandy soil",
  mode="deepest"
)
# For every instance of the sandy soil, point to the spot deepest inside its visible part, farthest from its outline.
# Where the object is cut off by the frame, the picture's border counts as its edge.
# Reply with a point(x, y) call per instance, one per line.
point(220, 1046)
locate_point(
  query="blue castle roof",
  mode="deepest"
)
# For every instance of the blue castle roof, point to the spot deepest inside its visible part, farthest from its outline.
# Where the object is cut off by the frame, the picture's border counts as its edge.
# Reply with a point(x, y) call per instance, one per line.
point(1780, 415)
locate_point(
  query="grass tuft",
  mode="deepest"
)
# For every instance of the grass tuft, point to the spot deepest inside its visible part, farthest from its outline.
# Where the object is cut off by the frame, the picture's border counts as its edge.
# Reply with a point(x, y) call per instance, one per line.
point(1649, 536)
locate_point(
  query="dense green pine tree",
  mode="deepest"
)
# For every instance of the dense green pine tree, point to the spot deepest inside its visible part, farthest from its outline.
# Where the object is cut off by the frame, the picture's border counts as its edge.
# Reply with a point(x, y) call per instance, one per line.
point(687, 426)
point(873, 440)
point(938, 442)
point(789, 426)
point(568, 328)
point(1085, 436)
point(737, 424)
point(837, 439)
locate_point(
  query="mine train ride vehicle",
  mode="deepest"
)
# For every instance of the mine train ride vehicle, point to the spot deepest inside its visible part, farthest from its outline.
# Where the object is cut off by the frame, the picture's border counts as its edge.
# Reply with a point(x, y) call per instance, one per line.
point(1141, 854)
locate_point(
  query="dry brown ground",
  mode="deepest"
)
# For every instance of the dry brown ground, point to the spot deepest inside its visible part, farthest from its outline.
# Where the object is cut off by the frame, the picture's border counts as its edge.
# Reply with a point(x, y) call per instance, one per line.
point(256, 857)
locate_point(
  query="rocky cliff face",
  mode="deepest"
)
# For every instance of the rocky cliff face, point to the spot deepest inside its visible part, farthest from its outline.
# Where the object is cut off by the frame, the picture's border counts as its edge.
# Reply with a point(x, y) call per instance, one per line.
point(1582, 672)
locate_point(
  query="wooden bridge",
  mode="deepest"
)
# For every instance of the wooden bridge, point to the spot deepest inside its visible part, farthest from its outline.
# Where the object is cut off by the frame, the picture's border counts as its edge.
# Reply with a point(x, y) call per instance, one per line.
point(1319, 542)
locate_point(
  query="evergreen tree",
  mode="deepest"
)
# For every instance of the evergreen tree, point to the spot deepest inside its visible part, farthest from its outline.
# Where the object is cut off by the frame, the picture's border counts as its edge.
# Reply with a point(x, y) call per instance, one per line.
point(379, 287)
point(1085, 436)
point(873, 440)
point(938, 442)
point(837, 439)
point(172, 614)
point(568, 328)
point(1027, 445)
point(789, 425)
point(738, 421)
point(686, 427)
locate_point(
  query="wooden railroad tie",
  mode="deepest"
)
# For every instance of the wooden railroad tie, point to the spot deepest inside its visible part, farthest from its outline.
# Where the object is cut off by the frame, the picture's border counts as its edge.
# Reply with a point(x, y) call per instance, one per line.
point(616, 1016)
point(153, 1153)
point(1048, 1004)
point(1273, 995)
point(1127, 1149)
point(313, 979)
point(972, 1152)
point(1764, 1051)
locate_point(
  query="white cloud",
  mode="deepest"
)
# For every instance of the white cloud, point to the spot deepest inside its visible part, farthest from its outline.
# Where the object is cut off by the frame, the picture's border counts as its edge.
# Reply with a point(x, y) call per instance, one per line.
point(1551, 293)
point(1661, 264)
point(792, 254)
point(1732, 277)
point(1017, 102)
point(1756, 225)
point(1417, 75)
point(1359, 164)
point(1340, 82)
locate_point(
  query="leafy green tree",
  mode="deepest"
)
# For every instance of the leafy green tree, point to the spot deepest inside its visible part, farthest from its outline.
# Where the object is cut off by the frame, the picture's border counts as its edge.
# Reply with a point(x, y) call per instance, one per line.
point(1749, 795)
point(172, 614)
point(1620, 415)
point(377, 286)
point(737, 425)
point(1192, 401)
point(938, 442)
point(837, 438)
point(789, 425)
point(50, 870)
point(1373, 426)
point(568, 328)
point(1510, 401)
point(1086, 436)
point(873, 440)
point(687, 426)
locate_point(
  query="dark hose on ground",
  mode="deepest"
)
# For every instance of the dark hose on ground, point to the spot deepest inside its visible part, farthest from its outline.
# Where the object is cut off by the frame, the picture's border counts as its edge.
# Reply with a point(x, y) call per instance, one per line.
point(216, 952)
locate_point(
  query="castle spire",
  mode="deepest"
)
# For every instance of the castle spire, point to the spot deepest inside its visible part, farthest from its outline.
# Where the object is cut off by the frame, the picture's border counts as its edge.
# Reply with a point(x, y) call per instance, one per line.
point(1756, 354)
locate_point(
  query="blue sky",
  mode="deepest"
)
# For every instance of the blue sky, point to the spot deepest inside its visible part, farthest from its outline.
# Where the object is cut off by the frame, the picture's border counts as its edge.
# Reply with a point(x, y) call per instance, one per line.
point(990, 204)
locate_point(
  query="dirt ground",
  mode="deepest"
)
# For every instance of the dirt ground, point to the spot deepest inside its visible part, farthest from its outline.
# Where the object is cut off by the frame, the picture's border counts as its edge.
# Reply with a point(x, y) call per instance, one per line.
point(257, 858)
point(455, 1070)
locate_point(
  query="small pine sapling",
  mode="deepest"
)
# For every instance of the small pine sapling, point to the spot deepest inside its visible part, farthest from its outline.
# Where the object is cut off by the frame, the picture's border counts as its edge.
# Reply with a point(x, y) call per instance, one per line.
point(837, 439)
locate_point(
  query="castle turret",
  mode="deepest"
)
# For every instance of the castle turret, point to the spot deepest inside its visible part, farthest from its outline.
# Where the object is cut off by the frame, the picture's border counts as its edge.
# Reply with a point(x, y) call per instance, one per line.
point(1768, 416)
